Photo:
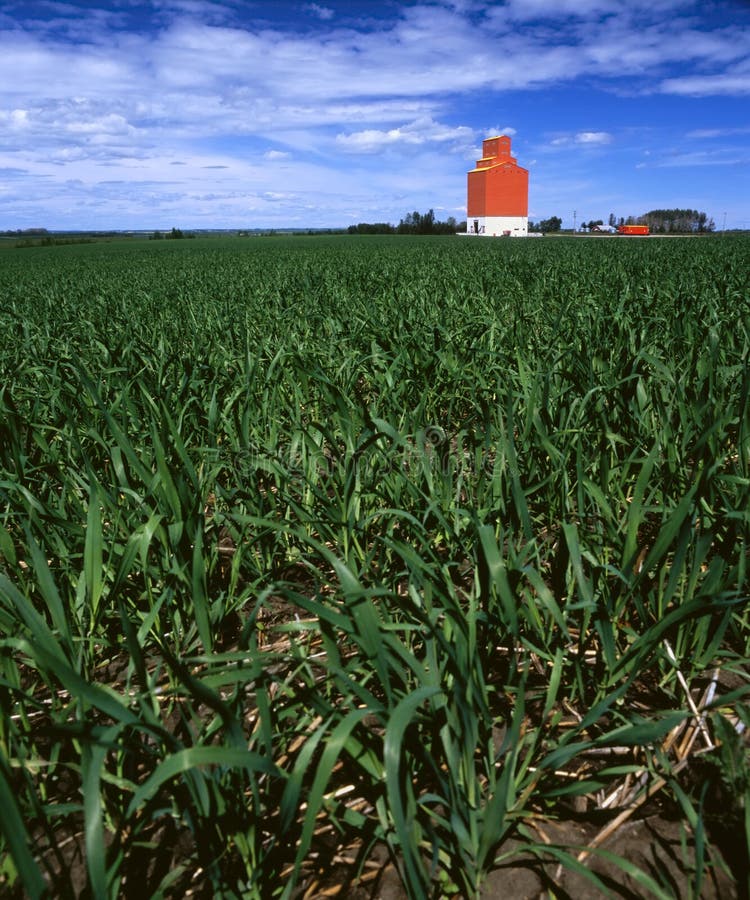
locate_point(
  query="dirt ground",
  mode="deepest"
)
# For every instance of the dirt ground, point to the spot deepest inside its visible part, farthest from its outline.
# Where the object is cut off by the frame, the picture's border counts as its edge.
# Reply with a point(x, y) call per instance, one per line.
point(655, 842)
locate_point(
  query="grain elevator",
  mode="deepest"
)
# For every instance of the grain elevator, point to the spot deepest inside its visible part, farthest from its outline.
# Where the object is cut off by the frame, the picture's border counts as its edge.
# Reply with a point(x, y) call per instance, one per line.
point(498, 193)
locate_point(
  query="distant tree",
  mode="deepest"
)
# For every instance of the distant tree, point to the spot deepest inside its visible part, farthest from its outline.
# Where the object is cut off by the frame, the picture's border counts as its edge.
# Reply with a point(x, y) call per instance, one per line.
point(417, 223)
point(371, 228)
point(412, 223)
point(552, 224)
point(678, 221)
point(612, 220)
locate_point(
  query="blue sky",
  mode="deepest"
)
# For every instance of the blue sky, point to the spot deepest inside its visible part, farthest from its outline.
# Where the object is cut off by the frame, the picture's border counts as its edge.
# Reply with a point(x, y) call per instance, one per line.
point(222, 114)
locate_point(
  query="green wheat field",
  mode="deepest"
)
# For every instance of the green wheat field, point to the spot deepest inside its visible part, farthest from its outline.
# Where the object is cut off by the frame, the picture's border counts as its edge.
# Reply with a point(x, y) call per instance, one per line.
point(322, 550)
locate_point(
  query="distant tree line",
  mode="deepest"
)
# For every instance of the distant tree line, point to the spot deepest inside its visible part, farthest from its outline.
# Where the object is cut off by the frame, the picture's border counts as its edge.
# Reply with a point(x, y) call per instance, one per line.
point(176, 234)
point(677, 221)
point(426, 223)
point(32, 232)
point(49, 241)
point(412, 223)
point(371, 228)
point(666, 221)
point(662, 221)
point(554, 223)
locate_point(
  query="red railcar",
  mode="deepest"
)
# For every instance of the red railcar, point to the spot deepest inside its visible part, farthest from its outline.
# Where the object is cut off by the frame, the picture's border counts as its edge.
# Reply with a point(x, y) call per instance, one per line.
point(632, 229)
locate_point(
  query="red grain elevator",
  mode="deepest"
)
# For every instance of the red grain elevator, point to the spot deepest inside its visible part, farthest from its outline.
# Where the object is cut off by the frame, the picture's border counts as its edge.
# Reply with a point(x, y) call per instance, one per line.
point(498, 192)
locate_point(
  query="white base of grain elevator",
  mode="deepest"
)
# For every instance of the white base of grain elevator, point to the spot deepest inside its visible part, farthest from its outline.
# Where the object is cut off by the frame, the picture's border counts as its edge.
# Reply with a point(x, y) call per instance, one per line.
point(498, 226)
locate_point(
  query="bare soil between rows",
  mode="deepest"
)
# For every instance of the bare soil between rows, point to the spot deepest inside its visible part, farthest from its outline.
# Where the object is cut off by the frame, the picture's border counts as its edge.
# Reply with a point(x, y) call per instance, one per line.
point(657, 842)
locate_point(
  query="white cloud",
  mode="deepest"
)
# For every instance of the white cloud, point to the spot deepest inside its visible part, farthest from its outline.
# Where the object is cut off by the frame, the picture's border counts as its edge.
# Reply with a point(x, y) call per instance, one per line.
point(15, 119)
point(703, 158)
point(240, 76)
point(593, 137)
point(702, 133)
point(276, 154)
point(731, 84)
point(583, 138)
point(203, 10)
point(574, 11)
point(420, 131)
point(558, 9)
point(324, 13)
point(371, 140)
point(111, 124)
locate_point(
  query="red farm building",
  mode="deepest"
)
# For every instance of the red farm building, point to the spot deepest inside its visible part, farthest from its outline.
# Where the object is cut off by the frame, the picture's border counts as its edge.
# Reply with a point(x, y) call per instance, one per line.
point(498, 193)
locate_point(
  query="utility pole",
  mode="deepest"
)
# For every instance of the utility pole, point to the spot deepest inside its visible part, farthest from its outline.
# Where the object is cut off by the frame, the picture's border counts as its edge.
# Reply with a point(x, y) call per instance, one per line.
point(724, 226)
point(574, 221)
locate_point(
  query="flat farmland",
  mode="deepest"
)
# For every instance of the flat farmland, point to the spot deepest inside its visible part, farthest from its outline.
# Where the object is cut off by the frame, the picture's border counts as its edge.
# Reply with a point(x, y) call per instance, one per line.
point(392, 566)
